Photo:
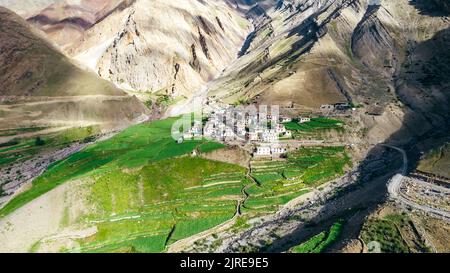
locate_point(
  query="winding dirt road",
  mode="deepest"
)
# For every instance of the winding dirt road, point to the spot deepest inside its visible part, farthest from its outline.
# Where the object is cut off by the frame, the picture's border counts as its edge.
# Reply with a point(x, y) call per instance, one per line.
point(394, 189)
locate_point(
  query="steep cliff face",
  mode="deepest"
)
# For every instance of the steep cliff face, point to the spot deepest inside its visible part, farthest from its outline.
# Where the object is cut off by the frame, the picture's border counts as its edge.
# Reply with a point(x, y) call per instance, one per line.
point(171, 48)
point(375, 41)
point(39, 86)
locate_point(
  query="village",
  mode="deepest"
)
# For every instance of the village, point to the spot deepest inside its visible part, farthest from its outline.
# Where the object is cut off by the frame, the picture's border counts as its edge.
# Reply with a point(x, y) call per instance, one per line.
point(260, 131)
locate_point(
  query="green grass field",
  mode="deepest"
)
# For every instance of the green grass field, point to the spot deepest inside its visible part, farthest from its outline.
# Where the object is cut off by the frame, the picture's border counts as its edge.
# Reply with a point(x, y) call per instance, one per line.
point(314, 124)
point(144, 191)
point(163, 199)
point(19, 150)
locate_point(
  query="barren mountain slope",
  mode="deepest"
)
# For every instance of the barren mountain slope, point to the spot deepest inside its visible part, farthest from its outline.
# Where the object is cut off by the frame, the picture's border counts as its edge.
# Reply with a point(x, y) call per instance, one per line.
point(308, 53)
point(166, 47)
point(169, 47)
point(65, 22)
point(27, 8)
point(39, 86)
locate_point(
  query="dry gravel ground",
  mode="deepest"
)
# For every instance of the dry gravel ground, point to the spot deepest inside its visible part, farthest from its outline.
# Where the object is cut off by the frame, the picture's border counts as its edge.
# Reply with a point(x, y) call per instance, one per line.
point(50, 216)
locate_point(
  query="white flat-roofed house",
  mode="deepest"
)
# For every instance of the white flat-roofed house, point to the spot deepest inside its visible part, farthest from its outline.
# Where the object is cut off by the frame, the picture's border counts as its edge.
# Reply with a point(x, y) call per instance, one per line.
point(240, 128)
point(196, 130)
point(229, 134)
point(304, 120)
point(287, 134)
point(280, 129)
point(241, 132)
point(208, 130)
point(219, 134)
point(269, 136)
point(263, 151)
point(277, 150)
point(285, 119)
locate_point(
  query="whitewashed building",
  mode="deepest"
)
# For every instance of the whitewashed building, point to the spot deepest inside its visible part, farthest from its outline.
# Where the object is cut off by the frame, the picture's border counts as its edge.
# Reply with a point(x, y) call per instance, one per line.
point(269, 136)
point(287, 134)
point(277, 150)
point(263, 151)
point(252, 136)
point(304, 120)
point(280, 129)
point(209, 130)
point(285, 119)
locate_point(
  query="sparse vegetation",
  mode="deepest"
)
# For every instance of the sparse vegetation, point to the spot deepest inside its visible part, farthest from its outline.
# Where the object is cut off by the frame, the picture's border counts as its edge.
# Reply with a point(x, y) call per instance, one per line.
point(386, 232)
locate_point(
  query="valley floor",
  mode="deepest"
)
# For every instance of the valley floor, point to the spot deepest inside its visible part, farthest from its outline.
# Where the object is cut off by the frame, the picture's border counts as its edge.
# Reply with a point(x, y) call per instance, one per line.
point(140, 191)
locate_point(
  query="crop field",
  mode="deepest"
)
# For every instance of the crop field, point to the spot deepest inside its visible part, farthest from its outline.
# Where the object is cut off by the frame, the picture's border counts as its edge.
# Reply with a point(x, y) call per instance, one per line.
point(143, 190)
point(319, 242)
point(313, 129)
point(281, 181)
point(18, 150)
point(161, 203)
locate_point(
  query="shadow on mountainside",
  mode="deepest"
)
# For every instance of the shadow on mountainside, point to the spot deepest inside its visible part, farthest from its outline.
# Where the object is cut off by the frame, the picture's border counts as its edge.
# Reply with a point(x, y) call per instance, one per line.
point(426, 95)
point(436, 8)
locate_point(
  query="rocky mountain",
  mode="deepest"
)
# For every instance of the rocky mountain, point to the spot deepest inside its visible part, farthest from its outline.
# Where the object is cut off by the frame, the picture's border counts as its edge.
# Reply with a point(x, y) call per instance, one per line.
point(389, 60)
point(303, 54)
point(168, 47)
point(39, 86)
point(153, 47)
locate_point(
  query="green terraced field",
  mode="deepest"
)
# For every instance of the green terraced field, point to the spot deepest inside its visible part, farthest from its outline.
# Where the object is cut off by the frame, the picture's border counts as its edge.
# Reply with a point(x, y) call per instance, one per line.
point(389, 231)
point(281, 181)
point(168, 200)
point(143, 190)
point(313, 129)
point(319, 242)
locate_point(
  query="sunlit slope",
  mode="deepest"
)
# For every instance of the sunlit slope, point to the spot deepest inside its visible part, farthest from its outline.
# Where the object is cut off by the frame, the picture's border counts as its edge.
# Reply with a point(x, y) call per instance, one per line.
point(42, 87)
point(138, 191)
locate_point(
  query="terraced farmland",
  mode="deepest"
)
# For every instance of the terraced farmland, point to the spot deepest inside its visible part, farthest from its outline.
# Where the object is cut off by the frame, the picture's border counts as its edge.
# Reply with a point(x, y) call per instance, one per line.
point(278, 182)
point(315, 129)
point(319, 242)
point(160, 203)
point(140, 190)
point(20, 149)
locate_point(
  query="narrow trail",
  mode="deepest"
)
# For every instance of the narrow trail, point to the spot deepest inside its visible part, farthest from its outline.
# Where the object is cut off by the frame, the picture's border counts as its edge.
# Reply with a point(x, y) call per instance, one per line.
point(249, 176)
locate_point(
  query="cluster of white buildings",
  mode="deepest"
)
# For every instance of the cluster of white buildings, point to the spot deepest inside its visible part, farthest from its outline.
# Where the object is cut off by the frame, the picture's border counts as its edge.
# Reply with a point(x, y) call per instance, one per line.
point(262, 130)
point(251, 128)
